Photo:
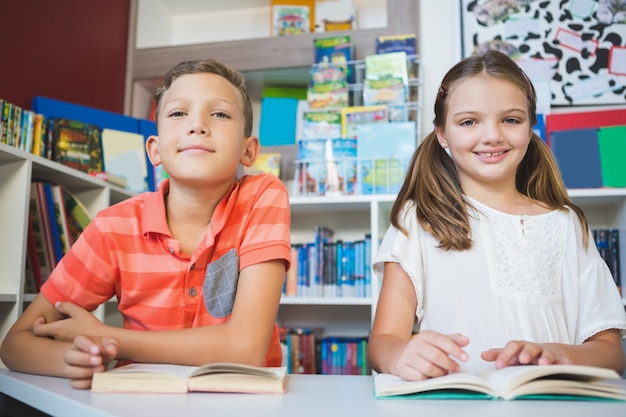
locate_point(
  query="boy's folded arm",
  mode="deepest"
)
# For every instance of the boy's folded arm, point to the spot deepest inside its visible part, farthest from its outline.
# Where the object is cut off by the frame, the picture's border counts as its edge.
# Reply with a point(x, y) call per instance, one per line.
point(244, 338)
point(23, 351)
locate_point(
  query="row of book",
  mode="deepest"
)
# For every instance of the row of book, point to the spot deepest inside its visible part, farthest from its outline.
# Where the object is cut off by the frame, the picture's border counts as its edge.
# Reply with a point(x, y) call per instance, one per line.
point(607, 242)
point(56, 218)
point(115, 156)
point(308, 351)
point(330, 268)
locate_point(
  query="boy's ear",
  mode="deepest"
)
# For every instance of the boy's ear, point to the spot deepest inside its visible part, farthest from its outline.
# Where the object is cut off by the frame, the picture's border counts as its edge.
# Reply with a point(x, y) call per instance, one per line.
point(251, 150)
point(152, 149)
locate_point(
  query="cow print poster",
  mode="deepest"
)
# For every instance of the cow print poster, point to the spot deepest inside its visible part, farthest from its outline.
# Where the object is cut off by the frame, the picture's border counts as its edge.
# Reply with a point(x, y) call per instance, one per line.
point(574, 51)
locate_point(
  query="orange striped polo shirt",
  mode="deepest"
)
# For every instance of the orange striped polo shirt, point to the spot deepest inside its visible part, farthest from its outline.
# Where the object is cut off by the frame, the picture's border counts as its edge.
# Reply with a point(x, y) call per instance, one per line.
point(128, 251)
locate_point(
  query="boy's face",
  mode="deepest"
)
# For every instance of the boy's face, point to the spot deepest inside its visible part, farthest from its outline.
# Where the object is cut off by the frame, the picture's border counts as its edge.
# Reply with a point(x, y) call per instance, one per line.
point(201, 131)
point(487, 130)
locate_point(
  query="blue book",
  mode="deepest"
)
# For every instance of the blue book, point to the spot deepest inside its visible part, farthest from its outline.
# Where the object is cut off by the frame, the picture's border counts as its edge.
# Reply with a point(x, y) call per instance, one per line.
point(278, 121)
point(578, 156)
point(383, 151)
point(54, 227)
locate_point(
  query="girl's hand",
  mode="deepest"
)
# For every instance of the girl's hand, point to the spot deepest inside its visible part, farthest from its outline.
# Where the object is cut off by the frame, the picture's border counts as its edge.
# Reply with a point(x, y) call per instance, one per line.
point(430, 354)
point(77, 322)
point(520, 352)
point(87, 356)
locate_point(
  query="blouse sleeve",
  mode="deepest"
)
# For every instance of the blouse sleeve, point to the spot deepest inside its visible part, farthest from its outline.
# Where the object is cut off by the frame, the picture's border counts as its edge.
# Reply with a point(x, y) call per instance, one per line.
point(599, 306)
point(405, 250)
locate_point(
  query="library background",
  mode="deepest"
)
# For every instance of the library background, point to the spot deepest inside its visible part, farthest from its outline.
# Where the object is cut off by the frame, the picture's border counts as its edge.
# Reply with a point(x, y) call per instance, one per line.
point(329, 79)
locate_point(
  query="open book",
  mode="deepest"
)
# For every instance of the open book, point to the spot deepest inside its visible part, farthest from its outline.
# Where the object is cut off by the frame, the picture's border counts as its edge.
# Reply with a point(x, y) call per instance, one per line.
point(514, 382)
point(215, 377)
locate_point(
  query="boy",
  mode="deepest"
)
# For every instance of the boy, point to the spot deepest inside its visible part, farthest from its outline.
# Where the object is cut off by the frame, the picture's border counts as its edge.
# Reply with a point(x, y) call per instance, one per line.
point(200, 263)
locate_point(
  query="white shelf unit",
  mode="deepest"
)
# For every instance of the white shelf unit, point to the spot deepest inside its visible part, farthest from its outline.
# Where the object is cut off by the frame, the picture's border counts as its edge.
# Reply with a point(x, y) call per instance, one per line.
point(17, 169)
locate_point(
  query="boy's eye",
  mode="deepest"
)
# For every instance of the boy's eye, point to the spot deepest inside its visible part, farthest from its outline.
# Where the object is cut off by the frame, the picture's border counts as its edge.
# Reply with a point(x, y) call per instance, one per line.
point(221, 115)
point(176, 113)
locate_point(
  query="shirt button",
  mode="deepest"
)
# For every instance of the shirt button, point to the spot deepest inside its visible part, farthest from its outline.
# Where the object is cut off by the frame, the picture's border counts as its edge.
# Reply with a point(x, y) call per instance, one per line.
point(193, 266)
point(192, 292)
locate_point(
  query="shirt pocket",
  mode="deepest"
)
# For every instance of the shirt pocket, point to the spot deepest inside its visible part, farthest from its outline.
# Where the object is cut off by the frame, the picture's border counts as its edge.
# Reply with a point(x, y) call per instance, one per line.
point(220, 284)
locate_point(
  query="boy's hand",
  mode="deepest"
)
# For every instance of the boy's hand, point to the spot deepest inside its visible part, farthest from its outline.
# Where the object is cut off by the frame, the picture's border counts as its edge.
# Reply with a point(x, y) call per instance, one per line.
point(430, 354)
point(78, 322)
point(520, 352)
point(87, 356)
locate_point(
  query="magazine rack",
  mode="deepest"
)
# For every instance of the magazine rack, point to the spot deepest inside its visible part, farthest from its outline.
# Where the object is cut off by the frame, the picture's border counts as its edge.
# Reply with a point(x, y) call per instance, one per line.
point(332, 173)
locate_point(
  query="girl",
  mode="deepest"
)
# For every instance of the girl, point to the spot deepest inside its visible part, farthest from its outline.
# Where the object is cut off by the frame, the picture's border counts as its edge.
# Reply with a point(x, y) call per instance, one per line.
point(486, 253)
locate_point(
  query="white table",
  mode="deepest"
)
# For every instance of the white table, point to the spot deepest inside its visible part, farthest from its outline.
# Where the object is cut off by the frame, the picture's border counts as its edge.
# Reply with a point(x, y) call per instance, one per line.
point(307, 395)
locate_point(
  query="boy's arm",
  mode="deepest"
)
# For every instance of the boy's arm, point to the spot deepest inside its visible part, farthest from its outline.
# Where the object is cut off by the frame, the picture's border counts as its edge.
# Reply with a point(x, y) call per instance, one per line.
point(244, 338)
point(22, 351)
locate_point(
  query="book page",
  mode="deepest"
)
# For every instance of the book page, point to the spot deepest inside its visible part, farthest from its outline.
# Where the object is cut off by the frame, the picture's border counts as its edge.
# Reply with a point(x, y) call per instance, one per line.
point(506, 380)
point(387, 385)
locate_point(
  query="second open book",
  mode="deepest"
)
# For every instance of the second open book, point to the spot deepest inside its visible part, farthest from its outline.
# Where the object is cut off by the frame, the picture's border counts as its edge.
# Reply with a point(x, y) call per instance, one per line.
point(514, 382)
point(215, 377)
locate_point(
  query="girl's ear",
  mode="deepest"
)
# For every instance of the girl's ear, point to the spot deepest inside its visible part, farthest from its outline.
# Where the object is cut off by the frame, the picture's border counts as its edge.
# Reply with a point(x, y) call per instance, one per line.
point(441, 137)
point(251, 150)
point(152, 149)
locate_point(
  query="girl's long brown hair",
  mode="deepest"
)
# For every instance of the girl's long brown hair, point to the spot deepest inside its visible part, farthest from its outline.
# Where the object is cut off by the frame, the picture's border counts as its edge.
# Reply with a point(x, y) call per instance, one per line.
point(432, 182)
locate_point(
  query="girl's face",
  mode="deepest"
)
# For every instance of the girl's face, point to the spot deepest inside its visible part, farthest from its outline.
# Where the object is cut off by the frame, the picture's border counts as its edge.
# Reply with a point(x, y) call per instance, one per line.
point(487, 131)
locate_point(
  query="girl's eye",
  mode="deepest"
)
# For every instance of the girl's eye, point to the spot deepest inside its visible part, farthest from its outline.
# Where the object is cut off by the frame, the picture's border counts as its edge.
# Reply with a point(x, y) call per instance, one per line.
point(511, 120)
point(467, 122)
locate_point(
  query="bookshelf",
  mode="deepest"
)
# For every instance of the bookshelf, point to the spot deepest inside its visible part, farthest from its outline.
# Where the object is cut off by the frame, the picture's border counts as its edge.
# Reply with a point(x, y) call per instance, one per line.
point(17, 169)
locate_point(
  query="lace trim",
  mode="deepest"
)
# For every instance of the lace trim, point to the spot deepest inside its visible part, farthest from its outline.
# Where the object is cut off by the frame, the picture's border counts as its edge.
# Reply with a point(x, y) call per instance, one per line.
point(618, 325)
point(524, 261)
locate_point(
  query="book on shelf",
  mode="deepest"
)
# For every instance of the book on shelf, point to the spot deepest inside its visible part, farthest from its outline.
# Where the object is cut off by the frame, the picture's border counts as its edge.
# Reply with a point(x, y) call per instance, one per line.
point(386, 79)
point(77, 215)
point(290, 19)
point(215, 377)
point(607, 243)
point(58, 200)
point(323, 236)
point(510, 383)
point(55, 235)
point(396, 43)
point(353, 116)
point(33, 277)
point(48, 219)
point(266, 163)
point(328, 87)
point(321, 124)
point(383, 151)
point(335, 15)
point(111, 178)
point(325, 167)
point(36, 222)
point(335, 51)
point(77, 145)
point(125, 156)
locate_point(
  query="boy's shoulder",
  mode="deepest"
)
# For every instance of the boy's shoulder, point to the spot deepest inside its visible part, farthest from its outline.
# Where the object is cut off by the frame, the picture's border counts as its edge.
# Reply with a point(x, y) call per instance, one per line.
point(260, 182)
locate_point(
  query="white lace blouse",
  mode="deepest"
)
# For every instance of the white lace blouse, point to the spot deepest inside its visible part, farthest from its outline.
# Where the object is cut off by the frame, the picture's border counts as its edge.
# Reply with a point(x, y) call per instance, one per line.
point(526, 277)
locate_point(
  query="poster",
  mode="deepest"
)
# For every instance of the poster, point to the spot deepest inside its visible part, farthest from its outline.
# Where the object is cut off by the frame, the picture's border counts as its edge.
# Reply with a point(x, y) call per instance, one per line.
point(574, 51)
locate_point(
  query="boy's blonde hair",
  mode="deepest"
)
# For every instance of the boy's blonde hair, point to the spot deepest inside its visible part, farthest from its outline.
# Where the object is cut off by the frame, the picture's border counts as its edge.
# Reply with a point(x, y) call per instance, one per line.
point(432, 181)
point(209, 66)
